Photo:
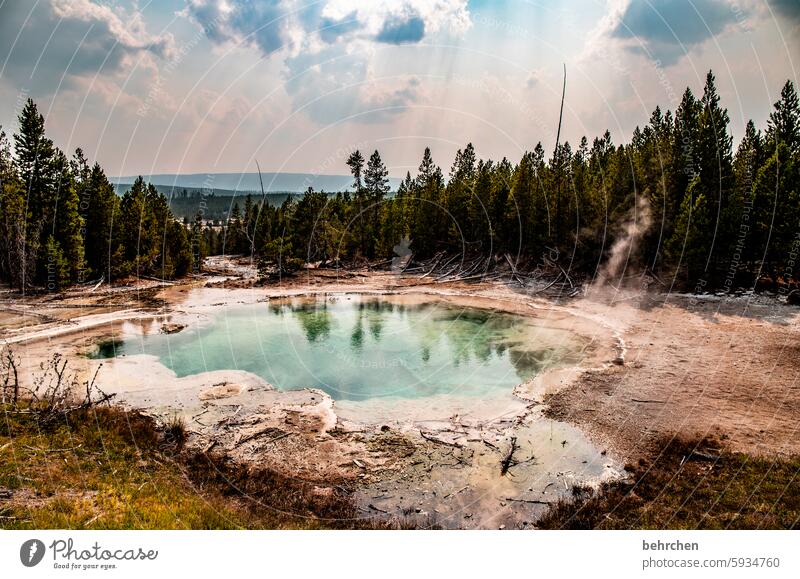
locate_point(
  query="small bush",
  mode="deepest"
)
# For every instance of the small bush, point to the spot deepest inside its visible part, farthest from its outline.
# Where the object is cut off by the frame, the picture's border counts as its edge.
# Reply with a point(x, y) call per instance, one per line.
point(175, 433)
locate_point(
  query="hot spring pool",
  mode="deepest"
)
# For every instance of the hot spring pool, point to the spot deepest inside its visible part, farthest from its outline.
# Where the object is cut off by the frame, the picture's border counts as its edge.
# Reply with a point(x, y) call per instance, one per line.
point(357, 347)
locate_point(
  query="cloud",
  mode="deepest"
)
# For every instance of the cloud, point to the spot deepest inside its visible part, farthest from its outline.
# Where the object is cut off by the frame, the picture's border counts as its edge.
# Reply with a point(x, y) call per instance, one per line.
point(788, 8)
point(402, 30)
point(335, 84)
point(72, 38)
point(264, 25)
point(401, 21)
point(332, 29)
point(270, 25)
point(667, 29)
point(327, 46)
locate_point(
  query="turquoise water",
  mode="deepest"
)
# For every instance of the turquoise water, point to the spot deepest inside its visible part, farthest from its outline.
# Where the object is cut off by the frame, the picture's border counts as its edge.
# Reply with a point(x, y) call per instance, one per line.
point(356, 347)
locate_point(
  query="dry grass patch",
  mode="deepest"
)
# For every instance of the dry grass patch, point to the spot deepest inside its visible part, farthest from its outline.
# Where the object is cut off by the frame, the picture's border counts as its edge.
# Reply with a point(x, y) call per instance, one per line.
point(105, 468)
point(689, 485)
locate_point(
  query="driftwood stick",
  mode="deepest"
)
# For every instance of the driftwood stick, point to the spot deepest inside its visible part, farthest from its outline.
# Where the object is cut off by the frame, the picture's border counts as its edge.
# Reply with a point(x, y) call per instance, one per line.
point(454, 493)
point(489, 444)
point(531, 501)
point(435, 263)
point(514, 270)
point(548, 286)
point(558, 265)
point(508, 461)
point(439, 440)
point(260, 433)
point(703, 456)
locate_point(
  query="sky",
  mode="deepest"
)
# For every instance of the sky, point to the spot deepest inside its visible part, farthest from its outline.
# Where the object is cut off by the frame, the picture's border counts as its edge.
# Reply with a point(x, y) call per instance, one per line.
point(196, 86)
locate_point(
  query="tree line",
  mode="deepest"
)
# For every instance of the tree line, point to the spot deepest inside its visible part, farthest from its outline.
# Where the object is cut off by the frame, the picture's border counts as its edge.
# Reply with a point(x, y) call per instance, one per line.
point(62, 222)
point(709, 216)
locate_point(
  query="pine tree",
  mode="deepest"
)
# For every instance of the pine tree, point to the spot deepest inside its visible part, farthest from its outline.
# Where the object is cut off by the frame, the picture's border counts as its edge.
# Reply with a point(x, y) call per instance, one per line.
point(689, 247)
point(376, 186)
point(68, 225)
point(715, 163)
point(17, 251)
point(356, 163)
point(746, 163)
point(498, 199)
point(458, 192)
point(520, 210)
point(683, 164)
point(101, 208)
point(56, 266)
point(35, 155)
point(479, 221)
point(358, 220)
point(430, 220)
point(783, 125)
point(235, 239)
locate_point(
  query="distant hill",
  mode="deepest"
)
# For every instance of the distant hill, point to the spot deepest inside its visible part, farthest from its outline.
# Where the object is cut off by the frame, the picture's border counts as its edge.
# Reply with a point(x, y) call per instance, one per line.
point(216, 204)
point(219, 191)
point(273, 182)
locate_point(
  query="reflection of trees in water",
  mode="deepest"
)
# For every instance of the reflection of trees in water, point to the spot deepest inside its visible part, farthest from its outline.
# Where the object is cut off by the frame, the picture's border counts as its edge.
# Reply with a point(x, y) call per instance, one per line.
point(466, 333)
point(357, 335)
point(478, 334)
point(315, 320)
point(376, 312)
point(529, 362)
point(277, 309)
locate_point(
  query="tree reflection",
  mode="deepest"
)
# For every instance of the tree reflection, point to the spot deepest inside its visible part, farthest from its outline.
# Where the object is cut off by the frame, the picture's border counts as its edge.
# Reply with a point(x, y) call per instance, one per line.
point(315, 320)
point(464, 336)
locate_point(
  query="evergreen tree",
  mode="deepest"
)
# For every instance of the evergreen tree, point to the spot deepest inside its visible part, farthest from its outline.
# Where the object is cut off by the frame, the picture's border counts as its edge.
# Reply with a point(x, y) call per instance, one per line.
point(376, 186)
point(35, 159)
point(56, 267)
point(458, 193)
point(18, 247)
point(783, 125)
point(715, 164)
point(430, 221)
point(101, 208)
point(67, 222)
point(358, 220)
point(689, 246)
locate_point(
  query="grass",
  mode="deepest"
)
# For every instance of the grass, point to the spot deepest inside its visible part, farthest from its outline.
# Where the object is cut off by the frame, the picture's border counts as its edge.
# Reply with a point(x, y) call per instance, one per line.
point(689, 485)
point(105, 468)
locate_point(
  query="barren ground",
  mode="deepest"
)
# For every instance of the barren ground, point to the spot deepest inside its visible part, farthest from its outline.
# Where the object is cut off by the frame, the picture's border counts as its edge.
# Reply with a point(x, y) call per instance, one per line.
point(695, 366)
point(690, 365)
